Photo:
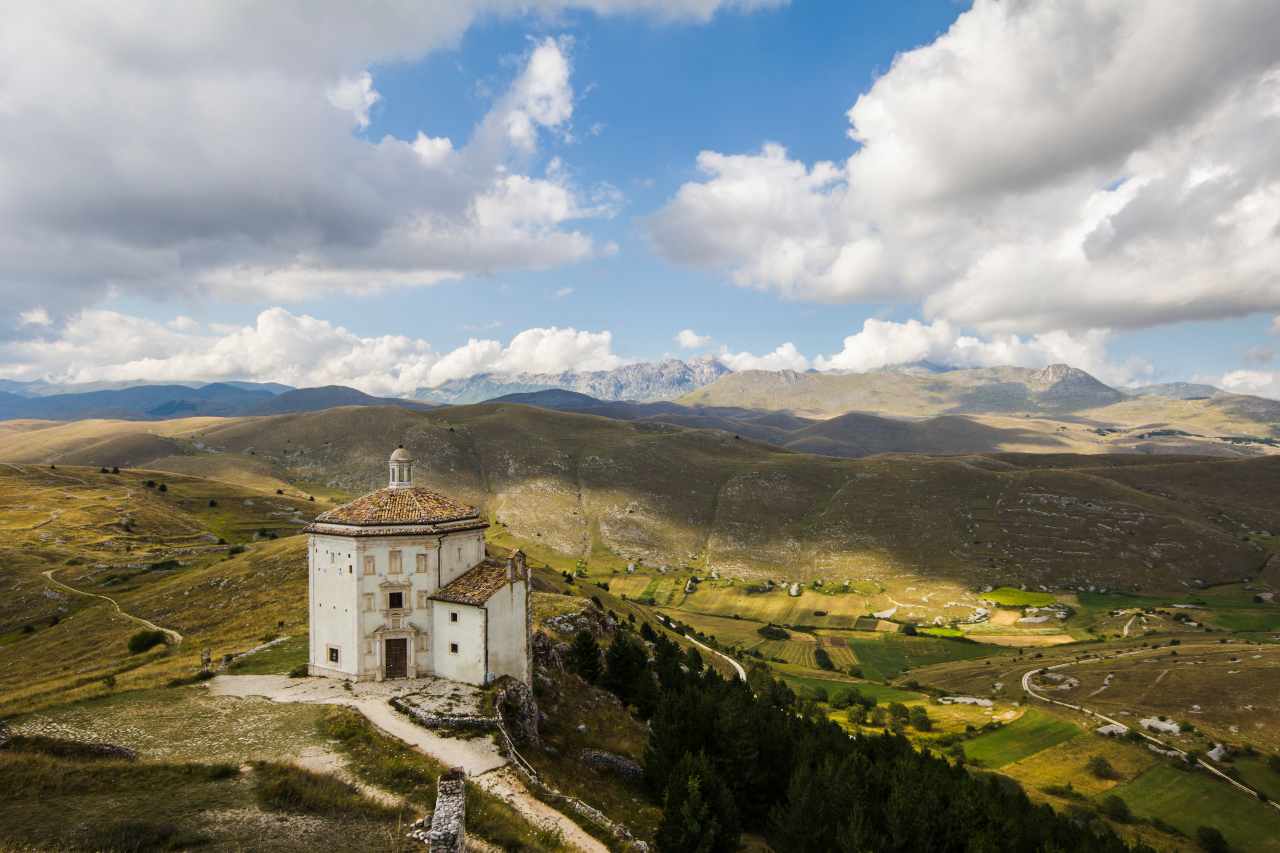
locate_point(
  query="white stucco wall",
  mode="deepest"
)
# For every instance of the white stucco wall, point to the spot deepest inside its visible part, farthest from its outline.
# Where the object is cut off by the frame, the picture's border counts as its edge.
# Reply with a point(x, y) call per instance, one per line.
point(347, 606)
point(467, 664)
point(334, 618)
point(508, 637)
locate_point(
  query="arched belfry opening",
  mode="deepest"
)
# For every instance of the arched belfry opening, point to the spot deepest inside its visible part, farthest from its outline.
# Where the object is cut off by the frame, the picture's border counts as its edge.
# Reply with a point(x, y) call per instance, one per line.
point(401, 464)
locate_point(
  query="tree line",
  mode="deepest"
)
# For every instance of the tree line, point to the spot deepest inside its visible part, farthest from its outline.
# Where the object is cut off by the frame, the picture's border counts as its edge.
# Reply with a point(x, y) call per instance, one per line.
point(724, 758)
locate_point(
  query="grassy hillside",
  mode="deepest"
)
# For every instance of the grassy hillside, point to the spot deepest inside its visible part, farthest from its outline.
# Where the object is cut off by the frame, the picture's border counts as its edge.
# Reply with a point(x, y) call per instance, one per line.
point(611, 492)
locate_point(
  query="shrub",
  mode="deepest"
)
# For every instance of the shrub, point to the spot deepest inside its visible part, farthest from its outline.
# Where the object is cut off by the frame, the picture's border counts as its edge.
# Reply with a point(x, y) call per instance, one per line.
point(823, 659)
point(898, 711)
point(202, 675)
point(1211, 840)
point(299, 671)
point(115, 469)
point(773, 632)
point(1274, 763)
point(162, 487)
point(1116, 809)
point(144, 640)
point(1100, 767)
point(213, 502)
point(920, 719)
point(132, 835)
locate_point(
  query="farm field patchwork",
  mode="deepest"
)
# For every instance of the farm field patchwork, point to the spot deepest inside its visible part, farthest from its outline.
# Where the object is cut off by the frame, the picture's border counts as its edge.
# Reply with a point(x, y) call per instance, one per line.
point(1032, 732)
point(886, 656)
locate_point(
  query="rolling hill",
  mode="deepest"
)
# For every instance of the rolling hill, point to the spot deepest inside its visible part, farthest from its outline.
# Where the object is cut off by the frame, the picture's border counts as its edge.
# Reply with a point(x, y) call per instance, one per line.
point(161, 402)
point(610, 490)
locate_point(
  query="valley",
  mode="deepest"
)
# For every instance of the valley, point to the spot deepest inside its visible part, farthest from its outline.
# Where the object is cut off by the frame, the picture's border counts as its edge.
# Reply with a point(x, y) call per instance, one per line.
point(927, 582)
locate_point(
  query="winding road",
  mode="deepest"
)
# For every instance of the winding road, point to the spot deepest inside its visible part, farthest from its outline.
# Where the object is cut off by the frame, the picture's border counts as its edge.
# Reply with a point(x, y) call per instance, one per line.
point(173, 636)
point(1030, 691)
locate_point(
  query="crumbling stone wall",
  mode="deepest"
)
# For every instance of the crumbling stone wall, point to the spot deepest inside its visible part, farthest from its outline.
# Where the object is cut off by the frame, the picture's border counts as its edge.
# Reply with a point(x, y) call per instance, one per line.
point(448, 822)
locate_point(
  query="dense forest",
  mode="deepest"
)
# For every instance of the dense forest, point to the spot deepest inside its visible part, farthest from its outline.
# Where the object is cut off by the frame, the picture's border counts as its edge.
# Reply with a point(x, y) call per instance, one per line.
point(726, 758)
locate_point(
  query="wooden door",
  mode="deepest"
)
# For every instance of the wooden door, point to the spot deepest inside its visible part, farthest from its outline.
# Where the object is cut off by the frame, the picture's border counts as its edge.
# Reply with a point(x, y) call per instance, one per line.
point(397, 658)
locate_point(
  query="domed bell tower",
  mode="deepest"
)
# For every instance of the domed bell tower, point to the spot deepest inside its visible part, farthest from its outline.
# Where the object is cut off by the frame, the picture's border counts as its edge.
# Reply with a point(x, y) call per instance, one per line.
point(401, 464)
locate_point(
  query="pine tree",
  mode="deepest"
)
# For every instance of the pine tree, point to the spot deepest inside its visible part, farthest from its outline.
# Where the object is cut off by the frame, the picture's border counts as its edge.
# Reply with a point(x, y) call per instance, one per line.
point(698, 813)
point(584, 656)
point(623, 663)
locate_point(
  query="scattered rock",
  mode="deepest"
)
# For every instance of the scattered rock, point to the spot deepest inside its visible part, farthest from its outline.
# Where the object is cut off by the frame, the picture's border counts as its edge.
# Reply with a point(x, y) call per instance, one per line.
point(608, 762)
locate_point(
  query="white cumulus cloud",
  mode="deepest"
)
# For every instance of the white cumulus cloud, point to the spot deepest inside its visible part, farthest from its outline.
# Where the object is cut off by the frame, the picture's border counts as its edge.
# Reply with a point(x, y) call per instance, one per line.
point(281, 346)
point(152, 148)
point(881, 343)
point(689, 339)
point(1039, 166)
point(785, 357)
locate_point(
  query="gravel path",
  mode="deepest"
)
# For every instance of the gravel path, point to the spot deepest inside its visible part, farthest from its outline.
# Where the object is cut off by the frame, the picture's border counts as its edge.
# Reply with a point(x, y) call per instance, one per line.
point(174, 636)
point(479, 757)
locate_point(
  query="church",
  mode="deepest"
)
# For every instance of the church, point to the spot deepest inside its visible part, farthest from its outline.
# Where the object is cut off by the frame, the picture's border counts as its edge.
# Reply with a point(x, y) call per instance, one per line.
point(400, 587)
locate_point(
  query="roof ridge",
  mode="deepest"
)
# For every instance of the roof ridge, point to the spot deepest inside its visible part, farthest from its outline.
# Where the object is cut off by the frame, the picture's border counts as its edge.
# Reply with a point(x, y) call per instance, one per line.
point(413, 492)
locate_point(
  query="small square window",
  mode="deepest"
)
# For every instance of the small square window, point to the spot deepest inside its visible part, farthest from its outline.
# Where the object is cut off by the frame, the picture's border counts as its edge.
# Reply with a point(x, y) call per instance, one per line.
point(333, 655)
point(395, 600)
point(453, 616)
point(453, 648)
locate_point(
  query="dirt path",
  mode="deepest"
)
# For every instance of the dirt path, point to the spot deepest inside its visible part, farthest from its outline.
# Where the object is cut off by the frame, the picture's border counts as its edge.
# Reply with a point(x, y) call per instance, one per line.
point(1030, 691)
point(479, 757)
point(174, 637)
point(1129, 624)
point(742, 673)
point(506, 786)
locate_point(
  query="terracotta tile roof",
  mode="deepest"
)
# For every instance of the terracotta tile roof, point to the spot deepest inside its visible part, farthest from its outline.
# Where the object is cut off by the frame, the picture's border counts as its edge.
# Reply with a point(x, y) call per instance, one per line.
point(475, 586)
point(399, 507)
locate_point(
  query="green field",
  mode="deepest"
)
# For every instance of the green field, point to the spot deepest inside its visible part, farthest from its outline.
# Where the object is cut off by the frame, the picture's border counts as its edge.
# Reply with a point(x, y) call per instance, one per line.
point(804, 684)
point(1032, 732)
point(1189, 800)
point(1007, 596)
point(886, 656)
point(1255, 773)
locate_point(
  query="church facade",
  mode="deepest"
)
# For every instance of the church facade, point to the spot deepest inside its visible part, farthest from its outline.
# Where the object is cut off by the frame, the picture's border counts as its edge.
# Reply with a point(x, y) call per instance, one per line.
point(400, 587)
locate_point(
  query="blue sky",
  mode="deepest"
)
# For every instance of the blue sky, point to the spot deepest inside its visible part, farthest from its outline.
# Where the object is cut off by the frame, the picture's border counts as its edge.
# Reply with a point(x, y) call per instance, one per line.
point(971, 222)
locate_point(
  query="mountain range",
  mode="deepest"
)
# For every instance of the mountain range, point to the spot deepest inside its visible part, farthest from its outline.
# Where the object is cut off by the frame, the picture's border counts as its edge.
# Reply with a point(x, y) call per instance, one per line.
point(161, 402)
point(643, 382)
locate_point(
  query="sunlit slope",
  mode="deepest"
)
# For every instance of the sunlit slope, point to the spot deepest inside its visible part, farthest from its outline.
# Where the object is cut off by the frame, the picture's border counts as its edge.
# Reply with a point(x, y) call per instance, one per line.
point(669, 496)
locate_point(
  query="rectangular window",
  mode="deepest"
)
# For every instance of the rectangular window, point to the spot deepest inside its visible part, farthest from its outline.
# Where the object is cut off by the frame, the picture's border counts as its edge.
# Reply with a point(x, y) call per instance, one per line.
point(333, 655)
point(453, 616)
point(395, 600)
point(368, 565)
point(422, 598)
point(368, 601)
point(393, 568)
point(453, 648)
point(422, 564)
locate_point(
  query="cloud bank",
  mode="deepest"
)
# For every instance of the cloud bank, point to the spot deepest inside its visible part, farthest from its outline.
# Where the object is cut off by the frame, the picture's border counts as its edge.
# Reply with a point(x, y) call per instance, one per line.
point(1038, 167)
point(161, 149)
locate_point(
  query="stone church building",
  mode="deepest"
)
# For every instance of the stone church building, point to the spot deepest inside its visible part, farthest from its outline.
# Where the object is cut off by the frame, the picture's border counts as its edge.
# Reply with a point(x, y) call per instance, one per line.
point(400, 587)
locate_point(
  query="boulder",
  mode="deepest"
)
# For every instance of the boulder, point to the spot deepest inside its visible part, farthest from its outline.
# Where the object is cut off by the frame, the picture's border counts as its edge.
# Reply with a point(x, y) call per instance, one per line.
point(608, 762)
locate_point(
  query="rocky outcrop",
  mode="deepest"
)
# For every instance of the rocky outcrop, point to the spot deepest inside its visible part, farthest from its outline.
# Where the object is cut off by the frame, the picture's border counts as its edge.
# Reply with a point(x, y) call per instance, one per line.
point(608, 762)
point(518, 711)
point(589, 618)
point(548, 655)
